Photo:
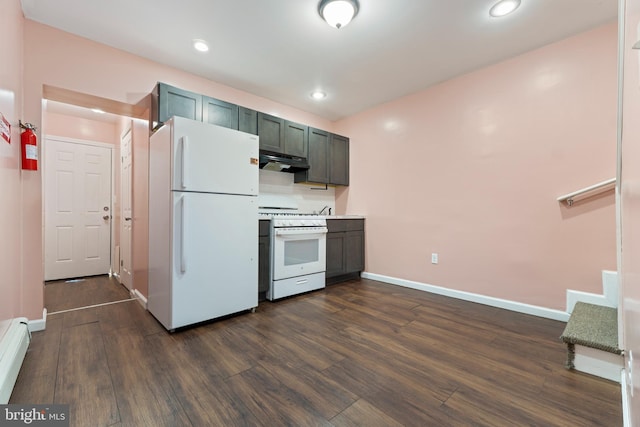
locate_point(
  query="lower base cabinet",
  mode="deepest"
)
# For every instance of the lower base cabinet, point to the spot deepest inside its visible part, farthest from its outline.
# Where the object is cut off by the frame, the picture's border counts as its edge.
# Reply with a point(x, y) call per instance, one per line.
point(345, 248)
point(264, 258)
point(345, 252)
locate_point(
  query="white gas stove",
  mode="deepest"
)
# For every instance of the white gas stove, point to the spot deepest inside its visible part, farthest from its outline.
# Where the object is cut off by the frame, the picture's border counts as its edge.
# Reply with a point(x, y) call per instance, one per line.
point(298, 252)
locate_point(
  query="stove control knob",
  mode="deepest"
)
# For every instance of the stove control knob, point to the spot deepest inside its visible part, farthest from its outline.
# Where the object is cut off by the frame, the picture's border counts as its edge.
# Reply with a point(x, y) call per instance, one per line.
point(303, 222)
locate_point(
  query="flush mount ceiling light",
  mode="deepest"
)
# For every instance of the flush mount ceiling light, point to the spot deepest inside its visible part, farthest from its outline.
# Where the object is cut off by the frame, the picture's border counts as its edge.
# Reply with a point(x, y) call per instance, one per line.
point(338, 13)
point(504, 7)
point(318, 95)
point(200, 45)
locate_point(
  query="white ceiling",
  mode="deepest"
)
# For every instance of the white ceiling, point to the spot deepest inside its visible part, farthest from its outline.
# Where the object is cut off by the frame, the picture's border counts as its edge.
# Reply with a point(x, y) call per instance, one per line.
point(283, 50)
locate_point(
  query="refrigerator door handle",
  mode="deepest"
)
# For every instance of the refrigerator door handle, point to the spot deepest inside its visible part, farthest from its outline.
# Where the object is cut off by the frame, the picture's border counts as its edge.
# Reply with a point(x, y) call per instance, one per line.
point(183, 174)
point(183, 259)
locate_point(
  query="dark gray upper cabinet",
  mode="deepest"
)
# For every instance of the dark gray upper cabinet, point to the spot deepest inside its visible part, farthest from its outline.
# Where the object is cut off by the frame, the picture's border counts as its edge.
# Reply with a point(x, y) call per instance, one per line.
point(168, 101)
point(327, 153)
point(221, 113)
point(339, 160)
point(296, 139)
point(318, 158)
point(271, 133)
point(248, 120)
point(328, 159)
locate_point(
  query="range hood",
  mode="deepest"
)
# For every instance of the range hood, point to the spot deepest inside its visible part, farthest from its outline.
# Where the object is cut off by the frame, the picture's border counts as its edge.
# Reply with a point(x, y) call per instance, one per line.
point(282, 162)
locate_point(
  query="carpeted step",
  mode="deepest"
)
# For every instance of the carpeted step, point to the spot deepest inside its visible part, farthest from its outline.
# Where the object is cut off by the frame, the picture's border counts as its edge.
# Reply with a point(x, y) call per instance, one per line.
point(593, 326)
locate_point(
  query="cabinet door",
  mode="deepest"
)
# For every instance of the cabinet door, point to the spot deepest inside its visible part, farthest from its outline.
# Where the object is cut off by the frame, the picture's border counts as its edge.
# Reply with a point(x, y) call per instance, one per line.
point(339, 160)
point(271, 133)
point(318, 157)
point(221, 113)
point(335, 255)
point(296, 139)
point(178, 102)
point(354, 251)
point(248, 120)
point(264, 264)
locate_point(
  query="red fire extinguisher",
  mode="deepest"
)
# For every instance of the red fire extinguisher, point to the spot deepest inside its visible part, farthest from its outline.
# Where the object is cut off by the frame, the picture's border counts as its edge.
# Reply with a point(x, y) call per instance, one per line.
point(29, 145)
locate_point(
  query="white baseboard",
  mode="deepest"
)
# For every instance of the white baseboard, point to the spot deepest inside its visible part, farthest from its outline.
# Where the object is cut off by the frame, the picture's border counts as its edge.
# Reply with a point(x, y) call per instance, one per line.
point(609, 297)
point(139, 297)
point(468, 296)
point(13, 348)
point(599, 363)
point(626, 415)
point(38, 324)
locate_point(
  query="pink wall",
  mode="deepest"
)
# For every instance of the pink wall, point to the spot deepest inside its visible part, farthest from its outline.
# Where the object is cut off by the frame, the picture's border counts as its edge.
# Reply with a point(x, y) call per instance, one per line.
point(471, 169)
point(630, 203)
point(59, 59)
point(81, 128)
point(11, 26)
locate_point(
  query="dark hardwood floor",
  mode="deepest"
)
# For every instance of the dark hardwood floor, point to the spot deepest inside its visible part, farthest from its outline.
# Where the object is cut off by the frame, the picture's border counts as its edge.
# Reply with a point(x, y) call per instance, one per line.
point(361, 353)
point(61, 295)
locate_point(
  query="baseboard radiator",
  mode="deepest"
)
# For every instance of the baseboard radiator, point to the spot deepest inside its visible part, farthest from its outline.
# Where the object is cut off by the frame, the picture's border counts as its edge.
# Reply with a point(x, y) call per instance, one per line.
point(13, 348)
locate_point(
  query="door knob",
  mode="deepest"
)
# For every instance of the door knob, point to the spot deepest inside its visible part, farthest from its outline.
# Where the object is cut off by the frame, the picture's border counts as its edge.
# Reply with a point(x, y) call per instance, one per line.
point(127, 219)
point(106, 217)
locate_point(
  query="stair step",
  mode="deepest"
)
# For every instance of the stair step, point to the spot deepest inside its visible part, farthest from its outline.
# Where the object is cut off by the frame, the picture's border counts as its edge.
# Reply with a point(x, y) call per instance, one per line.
point(591, 336)
point(593, 326)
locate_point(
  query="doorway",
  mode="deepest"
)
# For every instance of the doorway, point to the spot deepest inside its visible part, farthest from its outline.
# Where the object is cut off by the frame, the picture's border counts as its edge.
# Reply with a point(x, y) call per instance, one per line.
point(82, 207)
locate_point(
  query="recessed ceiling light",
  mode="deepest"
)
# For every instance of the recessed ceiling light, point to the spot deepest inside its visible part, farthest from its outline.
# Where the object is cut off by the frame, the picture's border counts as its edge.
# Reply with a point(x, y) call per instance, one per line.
point(318, 95)
point(504, 7)
point(200, 45)
point(97, 110)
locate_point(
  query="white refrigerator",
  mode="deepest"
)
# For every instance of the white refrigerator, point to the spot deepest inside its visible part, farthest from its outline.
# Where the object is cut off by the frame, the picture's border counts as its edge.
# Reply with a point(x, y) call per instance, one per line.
point(203, 222)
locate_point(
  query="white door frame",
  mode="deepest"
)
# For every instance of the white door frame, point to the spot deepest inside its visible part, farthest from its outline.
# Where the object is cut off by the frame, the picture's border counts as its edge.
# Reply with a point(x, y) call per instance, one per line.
point(128, 130)
point(45, 152)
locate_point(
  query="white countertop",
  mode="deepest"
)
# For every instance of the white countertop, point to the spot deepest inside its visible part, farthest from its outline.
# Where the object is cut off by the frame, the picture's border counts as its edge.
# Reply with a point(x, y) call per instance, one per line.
point(331, 217)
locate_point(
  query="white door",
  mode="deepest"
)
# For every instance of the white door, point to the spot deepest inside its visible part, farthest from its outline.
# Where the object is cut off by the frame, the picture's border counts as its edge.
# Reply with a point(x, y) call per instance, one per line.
point(77, 209)
point(126, 214)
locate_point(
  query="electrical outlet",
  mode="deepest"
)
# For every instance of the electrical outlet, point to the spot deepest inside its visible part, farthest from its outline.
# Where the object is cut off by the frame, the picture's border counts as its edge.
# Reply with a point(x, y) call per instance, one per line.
point(434, 258)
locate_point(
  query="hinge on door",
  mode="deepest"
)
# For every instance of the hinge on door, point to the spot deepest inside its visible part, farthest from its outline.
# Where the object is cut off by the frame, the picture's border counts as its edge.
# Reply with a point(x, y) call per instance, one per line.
point(121, 263)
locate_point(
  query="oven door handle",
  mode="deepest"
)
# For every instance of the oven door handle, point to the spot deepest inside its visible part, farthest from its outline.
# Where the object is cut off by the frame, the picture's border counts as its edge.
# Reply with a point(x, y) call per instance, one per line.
point(301, 232)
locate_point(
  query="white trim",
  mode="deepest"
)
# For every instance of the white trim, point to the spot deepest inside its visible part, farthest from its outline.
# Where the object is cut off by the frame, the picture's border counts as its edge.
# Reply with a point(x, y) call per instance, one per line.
point(609, 298)
point(468, 296)
point(626, 415)
point(91, 306)
point(38, 324)
point(138, 296)
point(598, 362)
